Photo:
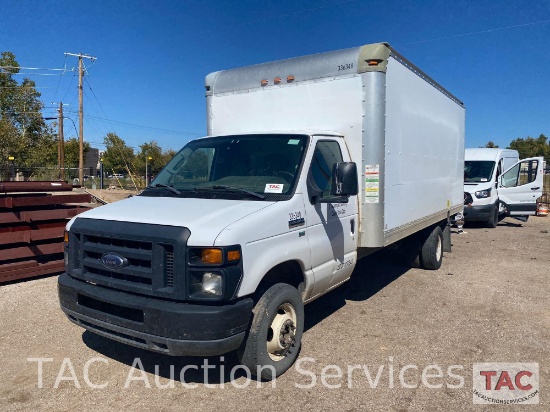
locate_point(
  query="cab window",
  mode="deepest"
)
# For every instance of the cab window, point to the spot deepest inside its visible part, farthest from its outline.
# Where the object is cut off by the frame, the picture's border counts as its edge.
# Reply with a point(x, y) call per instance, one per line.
point(325, 155)
point(521, 174)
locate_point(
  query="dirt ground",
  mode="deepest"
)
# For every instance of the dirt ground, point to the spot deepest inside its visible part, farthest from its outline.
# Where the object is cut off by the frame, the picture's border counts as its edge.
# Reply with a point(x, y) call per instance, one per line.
point(487, 303)
point(111, 195)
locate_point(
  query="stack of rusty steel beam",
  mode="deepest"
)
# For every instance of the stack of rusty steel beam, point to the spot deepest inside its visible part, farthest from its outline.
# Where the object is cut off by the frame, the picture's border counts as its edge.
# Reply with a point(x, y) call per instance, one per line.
point(32, 222)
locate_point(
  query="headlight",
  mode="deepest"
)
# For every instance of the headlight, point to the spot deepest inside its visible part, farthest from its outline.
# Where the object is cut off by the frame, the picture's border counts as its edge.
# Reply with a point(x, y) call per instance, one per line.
point(483, 193)
point(212, 284)
point(214, 273)
point(66, 250)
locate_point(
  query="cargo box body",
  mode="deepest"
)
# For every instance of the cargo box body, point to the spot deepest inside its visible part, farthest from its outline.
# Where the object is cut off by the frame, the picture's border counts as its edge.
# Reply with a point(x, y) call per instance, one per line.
point(404, 131)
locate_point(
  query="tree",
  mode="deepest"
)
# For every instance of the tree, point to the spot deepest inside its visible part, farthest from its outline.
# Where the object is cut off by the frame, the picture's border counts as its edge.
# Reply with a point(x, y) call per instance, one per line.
point(23, 131)
point(153, 152)
point(490, 144)
point(72, 152)
point(118, 157)
point(531, 147)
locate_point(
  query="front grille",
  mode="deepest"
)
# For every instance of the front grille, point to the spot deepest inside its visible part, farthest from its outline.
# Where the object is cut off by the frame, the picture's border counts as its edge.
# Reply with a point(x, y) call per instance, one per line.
point(139, 256)
point(152, 257)
point(169, 263)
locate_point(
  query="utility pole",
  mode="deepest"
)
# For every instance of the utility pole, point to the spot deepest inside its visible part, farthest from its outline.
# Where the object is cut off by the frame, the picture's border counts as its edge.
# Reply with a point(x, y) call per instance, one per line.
point(81, 113)
point(61, 149)
point(80, 122)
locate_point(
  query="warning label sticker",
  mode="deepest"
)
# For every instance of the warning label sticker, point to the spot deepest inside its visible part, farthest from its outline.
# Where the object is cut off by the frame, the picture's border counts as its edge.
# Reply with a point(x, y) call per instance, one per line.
point(372, 183)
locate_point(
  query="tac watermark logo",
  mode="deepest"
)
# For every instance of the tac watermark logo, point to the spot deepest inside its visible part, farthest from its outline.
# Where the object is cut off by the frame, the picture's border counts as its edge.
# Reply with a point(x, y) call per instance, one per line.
point(506, 383)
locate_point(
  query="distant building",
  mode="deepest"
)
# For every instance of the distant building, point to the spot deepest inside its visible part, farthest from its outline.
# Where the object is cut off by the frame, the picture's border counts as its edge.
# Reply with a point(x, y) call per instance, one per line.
point(91, 162)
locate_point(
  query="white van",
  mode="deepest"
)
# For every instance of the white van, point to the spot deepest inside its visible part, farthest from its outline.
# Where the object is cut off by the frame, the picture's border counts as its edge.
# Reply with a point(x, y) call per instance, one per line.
point(497, 183)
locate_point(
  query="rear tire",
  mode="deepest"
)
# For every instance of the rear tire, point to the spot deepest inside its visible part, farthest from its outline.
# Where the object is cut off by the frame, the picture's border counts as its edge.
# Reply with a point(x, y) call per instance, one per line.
point(276, 332)
point(431, 254)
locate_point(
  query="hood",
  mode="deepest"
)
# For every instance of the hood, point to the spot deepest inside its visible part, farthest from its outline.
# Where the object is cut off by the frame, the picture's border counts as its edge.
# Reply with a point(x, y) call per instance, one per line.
point(205, 218)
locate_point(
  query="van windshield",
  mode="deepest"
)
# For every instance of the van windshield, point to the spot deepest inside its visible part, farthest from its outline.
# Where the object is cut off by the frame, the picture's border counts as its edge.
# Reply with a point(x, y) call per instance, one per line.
point(477, 171)
point(262, 164)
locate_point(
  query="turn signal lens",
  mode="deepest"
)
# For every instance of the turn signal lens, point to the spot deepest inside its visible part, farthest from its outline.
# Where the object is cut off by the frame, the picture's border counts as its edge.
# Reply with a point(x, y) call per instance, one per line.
point(233, 255)
point(264, 82)
point(213, 256)
point(66, 237)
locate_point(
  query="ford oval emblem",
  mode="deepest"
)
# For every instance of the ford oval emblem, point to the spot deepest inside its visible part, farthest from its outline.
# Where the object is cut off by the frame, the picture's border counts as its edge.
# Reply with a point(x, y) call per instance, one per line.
point(113, 261)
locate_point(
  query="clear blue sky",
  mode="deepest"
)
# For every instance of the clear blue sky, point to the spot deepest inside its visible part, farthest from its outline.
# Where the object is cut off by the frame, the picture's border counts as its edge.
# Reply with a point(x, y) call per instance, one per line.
point(152, 56)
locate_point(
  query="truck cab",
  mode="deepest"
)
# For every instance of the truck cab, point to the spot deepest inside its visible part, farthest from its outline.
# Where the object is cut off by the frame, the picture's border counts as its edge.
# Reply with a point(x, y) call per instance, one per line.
point(497, 184)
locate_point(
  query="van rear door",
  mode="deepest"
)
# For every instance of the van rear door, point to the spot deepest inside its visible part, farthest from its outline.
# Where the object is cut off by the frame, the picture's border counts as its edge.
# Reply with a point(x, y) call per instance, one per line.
point(520, 186)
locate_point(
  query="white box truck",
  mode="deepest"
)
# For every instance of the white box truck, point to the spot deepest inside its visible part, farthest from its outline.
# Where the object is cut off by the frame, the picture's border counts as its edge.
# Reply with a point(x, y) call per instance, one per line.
point(309, 164)
point(498, 184)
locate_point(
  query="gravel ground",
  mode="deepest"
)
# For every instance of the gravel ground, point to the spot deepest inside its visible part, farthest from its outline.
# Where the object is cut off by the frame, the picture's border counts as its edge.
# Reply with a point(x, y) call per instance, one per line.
point(487, 303)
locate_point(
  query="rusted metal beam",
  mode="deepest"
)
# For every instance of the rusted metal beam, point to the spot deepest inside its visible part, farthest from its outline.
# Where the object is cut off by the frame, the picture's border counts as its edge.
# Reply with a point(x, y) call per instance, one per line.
point(15, 237)
point(9, 217)
point(50, 186)
point(29, 236)
point(6, 202)
point(44, 234)
point(51, 200)
point(30, 251)
point(38, 215)
point(52, 267)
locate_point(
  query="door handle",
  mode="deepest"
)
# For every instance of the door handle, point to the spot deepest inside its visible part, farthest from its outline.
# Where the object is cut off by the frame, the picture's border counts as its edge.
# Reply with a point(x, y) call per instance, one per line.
point(352, 226)
point(535, 188)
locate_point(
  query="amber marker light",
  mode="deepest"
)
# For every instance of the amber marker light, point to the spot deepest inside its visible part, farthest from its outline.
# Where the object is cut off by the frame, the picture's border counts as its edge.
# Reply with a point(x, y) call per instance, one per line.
point(213, 256)
point(233, 255)
point(264, 82)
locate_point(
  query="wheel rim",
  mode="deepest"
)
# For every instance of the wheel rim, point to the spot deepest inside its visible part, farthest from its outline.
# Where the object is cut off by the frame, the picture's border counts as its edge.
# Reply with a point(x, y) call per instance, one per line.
point(438, 249)
point(281, 335)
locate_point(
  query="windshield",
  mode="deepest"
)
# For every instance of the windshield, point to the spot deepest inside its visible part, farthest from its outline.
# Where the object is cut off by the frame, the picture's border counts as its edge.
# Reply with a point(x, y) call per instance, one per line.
point(477, 171)
point(263, 164)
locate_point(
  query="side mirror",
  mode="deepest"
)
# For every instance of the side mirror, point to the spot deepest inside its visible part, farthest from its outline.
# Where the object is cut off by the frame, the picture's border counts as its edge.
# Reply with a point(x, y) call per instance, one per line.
point(344, 184)
point(344, 179)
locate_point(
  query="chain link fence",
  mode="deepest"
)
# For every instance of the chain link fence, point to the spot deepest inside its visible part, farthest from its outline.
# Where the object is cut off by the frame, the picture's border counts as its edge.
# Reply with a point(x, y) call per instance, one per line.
point(19, 173)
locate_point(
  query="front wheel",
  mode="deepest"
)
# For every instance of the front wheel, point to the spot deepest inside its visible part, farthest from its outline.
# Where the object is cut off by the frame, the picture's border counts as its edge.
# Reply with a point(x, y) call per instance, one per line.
point(493, 221)
point(274, 339)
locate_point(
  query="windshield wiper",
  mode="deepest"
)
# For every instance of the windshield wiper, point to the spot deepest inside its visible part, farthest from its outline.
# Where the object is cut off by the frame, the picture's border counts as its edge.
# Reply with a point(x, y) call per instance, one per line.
point(170, 188)
point(232, 189)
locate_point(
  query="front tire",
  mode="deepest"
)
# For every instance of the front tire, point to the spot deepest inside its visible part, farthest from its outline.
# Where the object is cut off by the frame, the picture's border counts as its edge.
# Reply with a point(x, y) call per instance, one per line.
point(431, 254)
point(276, 332)
point(493, 222)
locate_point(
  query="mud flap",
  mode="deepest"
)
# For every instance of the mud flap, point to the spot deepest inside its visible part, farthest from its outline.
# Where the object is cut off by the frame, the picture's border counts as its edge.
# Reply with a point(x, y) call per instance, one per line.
point(447, 238)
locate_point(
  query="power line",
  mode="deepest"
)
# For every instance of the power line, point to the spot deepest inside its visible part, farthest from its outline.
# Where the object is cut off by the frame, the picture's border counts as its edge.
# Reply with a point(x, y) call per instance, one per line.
point(149, 128)
point(59, 81)
point(69, 87)
point(476, 32)
point(19, 87)
point(36, 74)
point(30, 68)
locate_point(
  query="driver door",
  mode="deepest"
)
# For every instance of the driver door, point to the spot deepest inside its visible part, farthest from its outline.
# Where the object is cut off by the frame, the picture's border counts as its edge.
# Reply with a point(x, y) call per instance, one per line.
point(520, 186)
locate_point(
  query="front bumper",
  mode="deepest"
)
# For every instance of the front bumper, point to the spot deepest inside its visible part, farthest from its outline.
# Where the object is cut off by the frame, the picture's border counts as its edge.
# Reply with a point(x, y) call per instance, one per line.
point(169, 327)
point(478, 213)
